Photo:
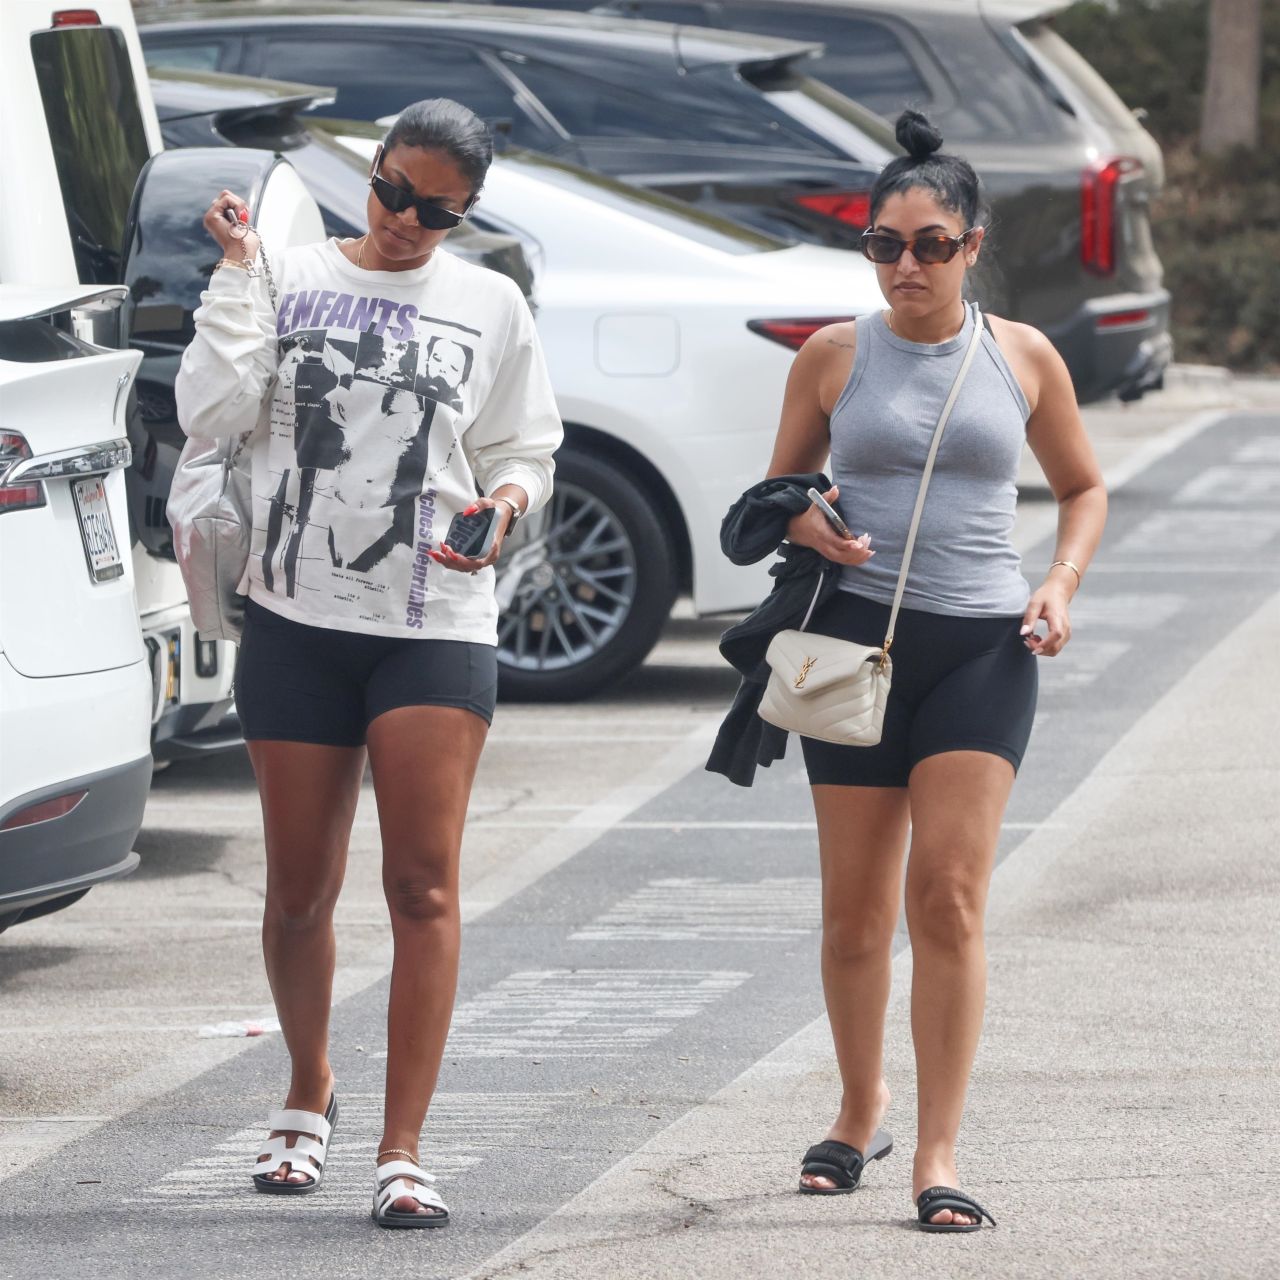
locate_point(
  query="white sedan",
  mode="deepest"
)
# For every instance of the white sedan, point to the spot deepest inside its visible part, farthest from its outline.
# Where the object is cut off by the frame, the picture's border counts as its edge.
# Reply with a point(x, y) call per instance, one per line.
point(669, 334)
point(75, 681)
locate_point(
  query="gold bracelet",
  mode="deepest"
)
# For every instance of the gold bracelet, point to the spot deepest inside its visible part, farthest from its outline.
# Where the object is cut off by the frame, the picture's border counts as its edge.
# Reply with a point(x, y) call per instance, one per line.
point(1070, 566)
point(231, 262)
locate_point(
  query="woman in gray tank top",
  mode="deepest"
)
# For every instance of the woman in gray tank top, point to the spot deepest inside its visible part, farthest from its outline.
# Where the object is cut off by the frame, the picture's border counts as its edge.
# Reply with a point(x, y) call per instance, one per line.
point(868, 394)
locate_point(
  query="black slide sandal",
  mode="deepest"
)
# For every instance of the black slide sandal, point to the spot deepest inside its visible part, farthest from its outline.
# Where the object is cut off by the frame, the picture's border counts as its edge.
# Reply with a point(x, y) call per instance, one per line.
point(841, 1163)
point(934, 1199)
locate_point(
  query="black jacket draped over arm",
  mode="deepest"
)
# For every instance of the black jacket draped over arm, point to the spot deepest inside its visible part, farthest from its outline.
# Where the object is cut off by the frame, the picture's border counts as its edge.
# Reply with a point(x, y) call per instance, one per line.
point(754, 528)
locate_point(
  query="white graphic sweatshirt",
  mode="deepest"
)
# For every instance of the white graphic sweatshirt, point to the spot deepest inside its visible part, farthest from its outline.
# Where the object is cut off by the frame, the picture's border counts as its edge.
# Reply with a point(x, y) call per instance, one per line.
point(382, 403)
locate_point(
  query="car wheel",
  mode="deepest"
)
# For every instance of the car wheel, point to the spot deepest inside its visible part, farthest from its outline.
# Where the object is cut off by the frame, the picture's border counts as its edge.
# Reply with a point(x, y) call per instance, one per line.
point(584, 586)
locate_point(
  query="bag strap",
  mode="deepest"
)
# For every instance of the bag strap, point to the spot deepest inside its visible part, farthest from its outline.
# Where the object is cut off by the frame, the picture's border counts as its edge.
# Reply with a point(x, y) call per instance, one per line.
point(974, 342)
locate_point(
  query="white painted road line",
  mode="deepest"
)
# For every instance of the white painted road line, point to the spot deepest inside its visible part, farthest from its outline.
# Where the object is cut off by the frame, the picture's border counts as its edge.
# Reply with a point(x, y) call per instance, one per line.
point(705, 909)
point(588, 825)
point(569, 1013)
point(220, 1182)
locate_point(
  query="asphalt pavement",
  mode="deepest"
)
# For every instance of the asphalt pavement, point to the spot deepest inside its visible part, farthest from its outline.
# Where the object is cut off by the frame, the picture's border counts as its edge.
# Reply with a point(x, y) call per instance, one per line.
point(639, 1057)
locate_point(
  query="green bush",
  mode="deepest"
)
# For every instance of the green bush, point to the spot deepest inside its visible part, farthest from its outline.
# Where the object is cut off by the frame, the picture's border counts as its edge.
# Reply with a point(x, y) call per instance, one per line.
point(1217, 225)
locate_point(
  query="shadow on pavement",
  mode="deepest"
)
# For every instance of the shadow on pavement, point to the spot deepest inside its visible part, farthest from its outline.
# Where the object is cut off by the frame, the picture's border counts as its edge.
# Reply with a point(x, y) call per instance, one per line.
point(166, 852)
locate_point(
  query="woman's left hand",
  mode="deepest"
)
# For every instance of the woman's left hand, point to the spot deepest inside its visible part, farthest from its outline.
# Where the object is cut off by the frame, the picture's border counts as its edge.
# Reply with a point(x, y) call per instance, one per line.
point(1050, 604)
point(448, 557)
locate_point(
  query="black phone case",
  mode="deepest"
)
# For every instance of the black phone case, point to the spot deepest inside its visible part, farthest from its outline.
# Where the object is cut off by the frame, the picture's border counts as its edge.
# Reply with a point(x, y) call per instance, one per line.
point(473, 536)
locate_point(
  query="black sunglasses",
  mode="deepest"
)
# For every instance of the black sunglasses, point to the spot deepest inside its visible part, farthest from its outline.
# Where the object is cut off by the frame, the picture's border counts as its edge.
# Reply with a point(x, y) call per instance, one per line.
point(431, 216)
point(929, 249)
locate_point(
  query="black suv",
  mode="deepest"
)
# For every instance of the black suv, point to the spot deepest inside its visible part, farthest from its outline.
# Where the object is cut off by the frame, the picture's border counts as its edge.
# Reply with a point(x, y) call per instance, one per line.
point(1070, 170)
point(728, 121)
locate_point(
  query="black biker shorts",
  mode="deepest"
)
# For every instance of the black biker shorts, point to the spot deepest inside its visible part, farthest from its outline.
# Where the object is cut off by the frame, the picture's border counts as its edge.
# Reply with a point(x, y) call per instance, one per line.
point(299, 683)
point(959, 684)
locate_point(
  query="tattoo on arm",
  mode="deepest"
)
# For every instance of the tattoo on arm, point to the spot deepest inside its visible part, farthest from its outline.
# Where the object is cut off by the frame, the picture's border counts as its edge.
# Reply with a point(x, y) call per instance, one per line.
point(835, 342)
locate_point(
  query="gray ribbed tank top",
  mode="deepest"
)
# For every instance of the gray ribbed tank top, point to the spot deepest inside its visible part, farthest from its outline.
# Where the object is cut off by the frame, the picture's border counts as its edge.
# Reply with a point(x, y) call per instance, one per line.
point(964, 563)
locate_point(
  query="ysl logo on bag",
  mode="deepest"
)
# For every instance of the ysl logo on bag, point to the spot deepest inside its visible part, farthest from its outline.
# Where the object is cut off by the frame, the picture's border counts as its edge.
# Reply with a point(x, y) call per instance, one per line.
point(804, 672)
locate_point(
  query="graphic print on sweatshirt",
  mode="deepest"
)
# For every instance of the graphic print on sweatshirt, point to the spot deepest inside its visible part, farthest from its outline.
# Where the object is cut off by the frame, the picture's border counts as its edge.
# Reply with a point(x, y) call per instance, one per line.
point(367, 401)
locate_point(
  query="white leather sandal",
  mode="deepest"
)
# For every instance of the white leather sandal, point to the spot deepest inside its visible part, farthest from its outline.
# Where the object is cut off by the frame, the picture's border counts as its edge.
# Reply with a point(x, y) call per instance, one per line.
point(303, 1154)
point(395, 1179)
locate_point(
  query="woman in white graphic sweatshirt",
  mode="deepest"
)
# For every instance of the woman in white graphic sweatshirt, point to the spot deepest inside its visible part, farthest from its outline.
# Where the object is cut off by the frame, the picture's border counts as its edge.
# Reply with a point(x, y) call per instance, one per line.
point(389, 387)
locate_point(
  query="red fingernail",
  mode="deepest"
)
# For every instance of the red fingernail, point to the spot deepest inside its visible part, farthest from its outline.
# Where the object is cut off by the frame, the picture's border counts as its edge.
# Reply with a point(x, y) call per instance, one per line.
point(471, 510)
point(244, 215)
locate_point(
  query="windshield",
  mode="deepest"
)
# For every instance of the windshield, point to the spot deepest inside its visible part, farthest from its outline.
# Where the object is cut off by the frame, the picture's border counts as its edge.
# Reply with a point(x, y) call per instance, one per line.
point(96, 131)
point(712, 105)
point(671, 215)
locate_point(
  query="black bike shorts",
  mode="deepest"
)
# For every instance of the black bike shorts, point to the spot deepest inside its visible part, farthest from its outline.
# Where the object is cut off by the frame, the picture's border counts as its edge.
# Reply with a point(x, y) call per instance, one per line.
point(959, 684)
point(299, 683)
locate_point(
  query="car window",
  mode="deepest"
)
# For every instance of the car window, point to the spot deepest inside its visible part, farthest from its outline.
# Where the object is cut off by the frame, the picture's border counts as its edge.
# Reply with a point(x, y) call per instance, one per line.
point(1097, 96)
point(99, 143)
point(376, 78)
point(859, 132)
point(863, 59)
point(651, 206)
point(195, 55)
point(587, 100)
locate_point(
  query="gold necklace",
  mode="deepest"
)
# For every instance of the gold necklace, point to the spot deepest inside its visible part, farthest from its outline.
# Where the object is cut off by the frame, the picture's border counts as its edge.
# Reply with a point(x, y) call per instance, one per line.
point(364, 239)
point(888, 316)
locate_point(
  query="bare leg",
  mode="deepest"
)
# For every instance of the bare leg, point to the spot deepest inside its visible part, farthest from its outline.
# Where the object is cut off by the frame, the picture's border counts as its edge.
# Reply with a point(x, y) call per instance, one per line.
point(958, 800)
point(309, 796)
point(862, 833)
point(424, 761)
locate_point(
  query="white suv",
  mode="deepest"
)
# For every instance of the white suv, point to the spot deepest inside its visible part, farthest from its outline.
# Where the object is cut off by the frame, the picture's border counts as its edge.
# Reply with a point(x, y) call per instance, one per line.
point(75, 684)
point(89, 196)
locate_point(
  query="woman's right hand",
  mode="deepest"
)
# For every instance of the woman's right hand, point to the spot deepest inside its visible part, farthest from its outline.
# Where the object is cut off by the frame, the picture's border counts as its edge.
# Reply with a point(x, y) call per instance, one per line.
point(812, 529)
point(240, 245)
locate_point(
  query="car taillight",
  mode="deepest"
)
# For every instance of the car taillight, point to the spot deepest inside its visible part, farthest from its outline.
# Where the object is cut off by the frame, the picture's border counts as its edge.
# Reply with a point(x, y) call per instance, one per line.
point(853, 207)
point(1098, 212)
point(17, 497)
point(44, 811)
point(1122, 319)
point(792, 333)
point(76, 18)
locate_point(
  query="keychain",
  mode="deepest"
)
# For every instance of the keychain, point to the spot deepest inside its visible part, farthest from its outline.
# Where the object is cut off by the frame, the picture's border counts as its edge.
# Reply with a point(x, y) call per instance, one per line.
point(239, 229)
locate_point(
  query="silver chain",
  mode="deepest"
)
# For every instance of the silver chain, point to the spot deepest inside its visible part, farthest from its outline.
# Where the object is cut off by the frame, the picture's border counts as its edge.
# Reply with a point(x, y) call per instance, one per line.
point(233, 456)
point(266, 271)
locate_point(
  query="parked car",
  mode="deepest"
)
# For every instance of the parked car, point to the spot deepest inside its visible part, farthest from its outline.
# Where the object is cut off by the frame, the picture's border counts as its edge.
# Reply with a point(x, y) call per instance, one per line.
point(668, 334)
point(75, 681)
point(725, 121)
point(1070, 170)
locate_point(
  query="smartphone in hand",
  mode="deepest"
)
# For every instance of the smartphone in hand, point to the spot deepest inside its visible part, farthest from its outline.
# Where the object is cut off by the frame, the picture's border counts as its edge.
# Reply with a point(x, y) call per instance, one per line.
point(833, 516)
point(473, 536)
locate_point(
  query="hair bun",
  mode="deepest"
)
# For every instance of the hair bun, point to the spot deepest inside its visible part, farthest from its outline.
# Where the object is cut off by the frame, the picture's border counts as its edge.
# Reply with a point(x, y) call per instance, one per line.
point(918, 138)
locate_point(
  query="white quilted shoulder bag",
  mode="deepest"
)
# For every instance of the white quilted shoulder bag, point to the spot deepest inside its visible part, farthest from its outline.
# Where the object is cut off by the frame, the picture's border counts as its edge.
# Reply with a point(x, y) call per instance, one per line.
point(831, 689)
point(210, 510)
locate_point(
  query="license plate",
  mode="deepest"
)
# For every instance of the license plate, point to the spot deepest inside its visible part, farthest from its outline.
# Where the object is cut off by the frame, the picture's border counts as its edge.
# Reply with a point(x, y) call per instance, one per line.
point(96, 530)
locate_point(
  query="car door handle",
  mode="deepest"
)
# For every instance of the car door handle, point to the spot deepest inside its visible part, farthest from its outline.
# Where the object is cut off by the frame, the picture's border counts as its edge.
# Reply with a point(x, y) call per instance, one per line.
point(122, 383)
